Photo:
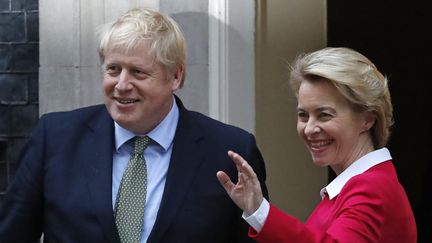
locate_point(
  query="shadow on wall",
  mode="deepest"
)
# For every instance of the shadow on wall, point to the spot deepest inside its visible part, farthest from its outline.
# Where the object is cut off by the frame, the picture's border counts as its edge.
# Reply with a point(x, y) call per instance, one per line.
point(195, 26)
point(195, 92)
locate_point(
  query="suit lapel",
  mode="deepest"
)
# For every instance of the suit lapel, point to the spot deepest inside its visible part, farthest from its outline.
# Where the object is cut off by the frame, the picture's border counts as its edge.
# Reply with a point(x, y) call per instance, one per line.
point(186, 158)
point(97, 160)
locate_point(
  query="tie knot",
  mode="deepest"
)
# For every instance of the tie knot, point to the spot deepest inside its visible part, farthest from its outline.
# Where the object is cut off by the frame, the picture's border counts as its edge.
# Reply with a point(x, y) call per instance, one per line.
point(141, 143)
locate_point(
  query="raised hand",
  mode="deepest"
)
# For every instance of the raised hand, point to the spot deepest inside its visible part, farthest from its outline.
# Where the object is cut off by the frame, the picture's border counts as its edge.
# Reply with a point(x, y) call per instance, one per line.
point(246, 193)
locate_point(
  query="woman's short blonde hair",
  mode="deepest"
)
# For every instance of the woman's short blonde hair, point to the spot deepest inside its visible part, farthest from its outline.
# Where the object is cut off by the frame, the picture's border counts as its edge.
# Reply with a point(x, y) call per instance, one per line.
point(161, 32)
point(356, 78)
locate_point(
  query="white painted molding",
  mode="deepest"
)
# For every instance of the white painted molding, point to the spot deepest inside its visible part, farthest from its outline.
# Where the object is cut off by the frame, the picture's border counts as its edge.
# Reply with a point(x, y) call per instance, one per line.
point(232, 62)
point(218, 60)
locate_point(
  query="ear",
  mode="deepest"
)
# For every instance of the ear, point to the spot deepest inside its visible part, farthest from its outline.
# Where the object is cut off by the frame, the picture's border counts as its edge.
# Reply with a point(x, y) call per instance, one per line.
point(369, 120)
point(178, 78)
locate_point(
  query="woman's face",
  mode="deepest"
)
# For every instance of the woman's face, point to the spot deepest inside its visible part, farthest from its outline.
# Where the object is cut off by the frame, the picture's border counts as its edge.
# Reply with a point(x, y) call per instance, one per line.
point(334, 134)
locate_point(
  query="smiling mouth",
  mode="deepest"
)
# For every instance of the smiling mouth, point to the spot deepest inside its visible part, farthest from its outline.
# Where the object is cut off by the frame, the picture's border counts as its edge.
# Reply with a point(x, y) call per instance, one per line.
point(320, 144)
point(126, 101)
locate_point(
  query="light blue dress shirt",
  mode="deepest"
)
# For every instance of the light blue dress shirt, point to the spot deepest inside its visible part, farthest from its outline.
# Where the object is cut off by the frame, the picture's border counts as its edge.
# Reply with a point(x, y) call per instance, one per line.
point(157, 156)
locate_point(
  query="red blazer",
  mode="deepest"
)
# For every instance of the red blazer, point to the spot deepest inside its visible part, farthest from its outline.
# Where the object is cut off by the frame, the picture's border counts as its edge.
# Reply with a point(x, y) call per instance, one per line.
point(371, 207)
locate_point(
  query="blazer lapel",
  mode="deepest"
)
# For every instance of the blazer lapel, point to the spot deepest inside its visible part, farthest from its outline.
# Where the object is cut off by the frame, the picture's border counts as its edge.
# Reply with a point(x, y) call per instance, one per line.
point(186, 158)
point(97, 160)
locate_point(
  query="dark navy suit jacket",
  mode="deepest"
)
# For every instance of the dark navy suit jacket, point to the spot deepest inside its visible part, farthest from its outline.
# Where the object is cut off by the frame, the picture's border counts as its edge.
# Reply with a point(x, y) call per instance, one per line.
point(63, 185)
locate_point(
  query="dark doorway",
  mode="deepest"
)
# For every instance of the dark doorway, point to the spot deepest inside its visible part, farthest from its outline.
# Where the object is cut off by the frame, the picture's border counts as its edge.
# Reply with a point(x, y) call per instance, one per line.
point(395, 36)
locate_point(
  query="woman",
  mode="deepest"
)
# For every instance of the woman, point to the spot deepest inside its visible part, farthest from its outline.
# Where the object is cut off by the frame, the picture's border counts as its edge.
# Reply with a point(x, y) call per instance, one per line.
point(344, 116)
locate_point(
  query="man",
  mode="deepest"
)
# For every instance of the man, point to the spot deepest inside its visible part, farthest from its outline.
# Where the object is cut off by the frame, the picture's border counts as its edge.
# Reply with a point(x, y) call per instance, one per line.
point(76, 180)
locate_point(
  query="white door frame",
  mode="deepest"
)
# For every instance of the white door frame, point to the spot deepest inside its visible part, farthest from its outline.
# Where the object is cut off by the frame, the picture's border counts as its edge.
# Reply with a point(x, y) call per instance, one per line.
point(232, 62)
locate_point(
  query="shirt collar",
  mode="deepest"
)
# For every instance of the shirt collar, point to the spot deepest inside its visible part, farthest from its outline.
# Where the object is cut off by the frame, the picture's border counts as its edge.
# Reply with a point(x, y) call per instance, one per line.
point(359, 166)
point(163, 133)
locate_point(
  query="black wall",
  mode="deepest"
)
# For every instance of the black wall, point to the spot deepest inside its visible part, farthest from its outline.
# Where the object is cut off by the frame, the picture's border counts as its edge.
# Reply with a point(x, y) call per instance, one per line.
point(19, 62)
point(394, 36)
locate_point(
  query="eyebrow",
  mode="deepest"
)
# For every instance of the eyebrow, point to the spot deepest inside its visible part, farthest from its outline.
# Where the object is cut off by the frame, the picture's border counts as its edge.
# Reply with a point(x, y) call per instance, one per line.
point(136, 65)
point(319, 109)
point(325, 108)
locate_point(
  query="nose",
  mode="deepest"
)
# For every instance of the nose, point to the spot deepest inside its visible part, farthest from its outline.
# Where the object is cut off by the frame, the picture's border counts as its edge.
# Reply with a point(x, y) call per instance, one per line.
point(124, 81)
point(311, 127)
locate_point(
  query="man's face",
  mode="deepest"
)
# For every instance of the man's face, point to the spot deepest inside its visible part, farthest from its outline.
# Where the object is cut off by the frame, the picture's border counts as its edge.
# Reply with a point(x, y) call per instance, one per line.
point(138, 90)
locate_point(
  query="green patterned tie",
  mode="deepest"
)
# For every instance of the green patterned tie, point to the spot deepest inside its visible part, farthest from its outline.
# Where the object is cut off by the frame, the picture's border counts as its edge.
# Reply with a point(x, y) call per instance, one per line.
point(129, 207)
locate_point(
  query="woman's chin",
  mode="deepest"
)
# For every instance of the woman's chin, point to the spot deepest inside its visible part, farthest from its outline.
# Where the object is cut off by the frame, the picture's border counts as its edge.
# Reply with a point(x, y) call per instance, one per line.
point(320, 162)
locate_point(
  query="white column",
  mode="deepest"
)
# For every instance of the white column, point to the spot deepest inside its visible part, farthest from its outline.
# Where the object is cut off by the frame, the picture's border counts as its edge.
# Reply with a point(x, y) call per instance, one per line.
point(232, 62)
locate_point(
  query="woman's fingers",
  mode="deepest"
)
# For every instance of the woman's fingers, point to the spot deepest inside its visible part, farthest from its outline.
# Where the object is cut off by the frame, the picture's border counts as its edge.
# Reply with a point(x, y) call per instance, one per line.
point(242, 165)
point(225, 181)
point(246, 192)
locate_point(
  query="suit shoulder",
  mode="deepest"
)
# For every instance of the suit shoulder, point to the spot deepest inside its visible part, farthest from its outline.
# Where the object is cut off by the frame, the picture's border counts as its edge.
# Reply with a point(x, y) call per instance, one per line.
point(76, 114)
point(216, 127)
point(74, 119)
